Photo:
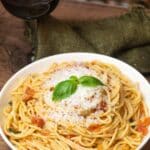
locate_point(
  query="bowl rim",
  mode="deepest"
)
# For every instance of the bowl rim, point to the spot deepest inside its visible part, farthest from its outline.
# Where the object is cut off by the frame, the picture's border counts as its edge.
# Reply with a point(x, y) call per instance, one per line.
point(72, 54)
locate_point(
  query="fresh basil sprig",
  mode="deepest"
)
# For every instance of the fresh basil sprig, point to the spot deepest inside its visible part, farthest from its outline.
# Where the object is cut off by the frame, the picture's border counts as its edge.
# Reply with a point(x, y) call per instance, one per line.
point(74, 78)
point(90, 81)
point(66, 88)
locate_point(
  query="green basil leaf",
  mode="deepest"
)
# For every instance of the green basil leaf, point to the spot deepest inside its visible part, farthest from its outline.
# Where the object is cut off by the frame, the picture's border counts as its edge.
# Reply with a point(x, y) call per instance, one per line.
point(64, 89)
point(74, 78)
point(90, 81)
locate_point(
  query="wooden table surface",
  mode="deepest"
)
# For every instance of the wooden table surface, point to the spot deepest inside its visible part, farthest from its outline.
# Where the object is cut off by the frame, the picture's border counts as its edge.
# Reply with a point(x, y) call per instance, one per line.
point(15, 49)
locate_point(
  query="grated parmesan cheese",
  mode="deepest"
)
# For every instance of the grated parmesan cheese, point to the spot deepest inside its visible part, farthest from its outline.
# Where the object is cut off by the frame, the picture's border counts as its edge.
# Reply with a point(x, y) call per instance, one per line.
point(79, 106)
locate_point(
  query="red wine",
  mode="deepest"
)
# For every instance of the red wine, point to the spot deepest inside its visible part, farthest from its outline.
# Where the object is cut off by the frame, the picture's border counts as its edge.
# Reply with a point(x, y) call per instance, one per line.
point(30, 9)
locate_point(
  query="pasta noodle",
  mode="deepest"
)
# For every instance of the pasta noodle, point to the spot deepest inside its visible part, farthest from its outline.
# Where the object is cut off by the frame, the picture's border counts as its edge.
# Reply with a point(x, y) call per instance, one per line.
point(122, 122)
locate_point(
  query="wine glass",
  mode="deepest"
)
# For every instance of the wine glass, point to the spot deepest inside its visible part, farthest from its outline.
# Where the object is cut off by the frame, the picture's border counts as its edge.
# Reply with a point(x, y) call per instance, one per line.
point(30, 9)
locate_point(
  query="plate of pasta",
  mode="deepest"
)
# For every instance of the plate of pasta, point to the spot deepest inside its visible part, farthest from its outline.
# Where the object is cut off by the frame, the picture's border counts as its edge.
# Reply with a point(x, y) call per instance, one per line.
point(76, 101)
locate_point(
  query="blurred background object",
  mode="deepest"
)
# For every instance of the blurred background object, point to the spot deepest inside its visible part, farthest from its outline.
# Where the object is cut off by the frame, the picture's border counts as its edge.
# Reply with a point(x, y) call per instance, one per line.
point(126, 37)
point(30, 9)
point(122, 3)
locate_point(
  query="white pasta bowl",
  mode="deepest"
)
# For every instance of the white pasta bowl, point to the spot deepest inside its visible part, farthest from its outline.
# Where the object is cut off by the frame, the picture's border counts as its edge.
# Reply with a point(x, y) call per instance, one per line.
point(43, 64)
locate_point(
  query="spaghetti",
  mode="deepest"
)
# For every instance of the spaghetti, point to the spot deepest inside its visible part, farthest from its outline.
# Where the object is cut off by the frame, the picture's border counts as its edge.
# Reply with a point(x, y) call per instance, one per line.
point(119, 121)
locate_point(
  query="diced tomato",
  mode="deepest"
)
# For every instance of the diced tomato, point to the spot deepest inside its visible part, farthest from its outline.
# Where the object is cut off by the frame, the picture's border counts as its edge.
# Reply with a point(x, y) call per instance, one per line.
point(94, 127)
point(38, 121)
point(27, 98)
point(102, 106)
point(29, 91)
point(143, 125)
point(28, 95)
point(146, 121)
point(142, 129)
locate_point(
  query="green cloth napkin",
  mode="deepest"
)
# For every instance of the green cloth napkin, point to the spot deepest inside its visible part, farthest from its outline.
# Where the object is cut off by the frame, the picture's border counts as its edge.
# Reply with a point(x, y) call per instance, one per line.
point(126, 37)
